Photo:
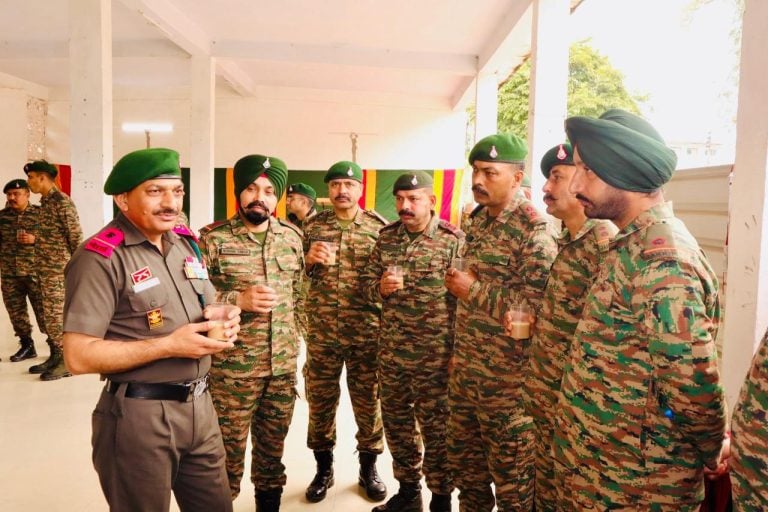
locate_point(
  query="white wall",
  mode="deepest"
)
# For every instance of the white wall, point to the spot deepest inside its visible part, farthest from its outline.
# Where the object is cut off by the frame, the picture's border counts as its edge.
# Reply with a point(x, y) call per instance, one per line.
point(13, 134)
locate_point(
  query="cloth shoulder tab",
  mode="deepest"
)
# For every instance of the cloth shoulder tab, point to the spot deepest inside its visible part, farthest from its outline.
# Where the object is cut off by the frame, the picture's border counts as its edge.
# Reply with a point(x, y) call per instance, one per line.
point(533, 216)
point(659, 242)
point(213, 225)
point(604, 232)
point(391, 226)
point(183, 230)
point(447, 226)
point(376, 215)
point(105, 241)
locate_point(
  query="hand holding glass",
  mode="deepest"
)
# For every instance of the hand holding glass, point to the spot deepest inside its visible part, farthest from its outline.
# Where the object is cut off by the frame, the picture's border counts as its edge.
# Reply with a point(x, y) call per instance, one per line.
point(217, 314)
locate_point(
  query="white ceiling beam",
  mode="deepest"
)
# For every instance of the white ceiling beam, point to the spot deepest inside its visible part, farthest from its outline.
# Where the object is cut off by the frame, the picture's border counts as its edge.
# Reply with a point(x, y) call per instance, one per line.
point(238, 79)
point(33, 89)
point(346, 56)
point(40, 49)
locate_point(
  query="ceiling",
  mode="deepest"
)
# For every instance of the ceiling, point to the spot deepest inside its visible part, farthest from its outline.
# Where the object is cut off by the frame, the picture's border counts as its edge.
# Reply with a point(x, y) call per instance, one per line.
point(429, 49)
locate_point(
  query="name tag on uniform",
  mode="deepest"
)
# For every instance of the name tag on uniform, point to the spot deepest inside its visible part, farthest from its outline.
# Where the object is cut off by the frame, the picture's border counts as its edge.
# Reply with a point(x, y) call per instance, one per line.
point(234, 251)
point(194, 269)
point(143, 280)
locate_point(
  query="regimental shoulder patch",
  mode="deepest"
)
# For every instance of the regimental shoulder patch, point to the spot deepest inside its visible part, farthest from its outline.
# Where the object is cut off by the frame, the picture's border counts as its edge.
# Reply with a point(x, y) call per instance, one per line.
point(183, 230)
point(214, 225)
point(659, 242)
point(105, 241)
point(376, 215)
point(391, 226)
point(604, 233)
point(155, 319)
point(447, 226)
point(531, 214)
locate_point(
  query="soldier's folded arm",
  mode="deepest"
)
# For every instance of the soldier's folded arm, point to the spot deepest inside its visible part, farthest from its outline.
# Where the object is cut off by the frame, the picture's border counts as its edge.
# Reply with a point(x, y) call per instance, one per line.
point(680, 329)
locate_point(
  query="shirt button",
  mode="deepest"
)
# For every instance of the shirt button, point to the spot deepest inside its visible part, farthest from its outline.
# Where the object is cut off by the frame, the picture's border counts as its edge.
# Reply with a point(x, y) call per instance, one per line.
point(153, 303)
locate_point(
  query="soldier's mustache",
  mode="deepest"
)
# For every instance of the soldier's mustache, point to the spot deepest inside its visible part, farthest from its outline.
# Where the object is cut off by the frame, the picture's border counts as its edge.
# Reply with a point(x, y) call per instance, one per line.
point(254, 204)
point(549, 196)
point(343, 196)
point(406, 213)
point(163, 211)
point(583, 199)
point(477, 189)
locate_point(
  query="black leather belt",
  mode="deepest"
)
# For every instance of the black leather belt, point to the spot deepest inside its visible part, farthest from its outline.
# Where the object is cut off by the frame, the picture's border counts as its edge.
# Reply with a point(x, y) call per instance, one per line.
point(181, 392)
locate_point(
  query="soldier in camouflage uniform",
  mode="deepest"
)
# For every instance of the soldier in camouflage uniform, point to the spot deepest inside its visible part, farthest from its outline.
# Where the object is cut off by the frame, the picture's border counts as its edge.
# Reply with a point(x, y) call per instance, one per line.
point(300, 203)
point(642, 410)
point(257, 262)
point(18, 224)
point(583, 243)
point(416, 341)
point(510, 247)
point(343, 330)
point(749, 444)
point(58, 235)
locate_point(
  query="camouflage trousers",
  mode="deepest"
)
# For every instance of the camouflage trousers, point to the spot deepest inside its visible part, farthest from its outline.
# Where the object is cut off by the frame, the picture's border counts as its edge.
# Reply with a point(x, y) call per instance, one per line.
point(322, 372)
point(545, 490)
point(490, 439)
point(15, 290)
point(265, 406)
point(414, 406)
point(52, 289)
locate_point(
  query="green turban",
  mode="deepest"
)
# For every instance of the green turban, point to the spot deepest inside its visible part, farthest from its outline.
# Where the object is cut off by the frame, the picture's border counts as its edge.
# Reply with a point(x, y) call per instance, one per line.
point(623, 150)
point(14, 185)
point(249, 168)
point(412, 181)
point(142, 165)
point(562, 154)
point(41, 166)
point(302, 189)
point(344, 170)
point(502, 147)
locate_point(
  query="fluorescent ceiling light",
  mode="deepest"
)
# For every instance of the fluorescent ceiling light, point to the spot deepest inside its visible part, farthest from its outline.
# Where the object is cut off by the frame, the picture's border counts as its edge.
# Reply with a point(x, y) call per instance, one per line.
point(147, 127)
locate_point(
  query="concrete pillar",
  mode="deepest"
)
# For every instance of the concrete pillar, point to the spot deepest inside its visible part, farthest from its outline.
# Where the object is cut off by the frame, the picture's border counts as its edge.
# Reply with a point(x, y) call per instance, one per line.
point(90, 65)
point(202, 129)
point(549, 85)
point(486, 105)
point(747, 273)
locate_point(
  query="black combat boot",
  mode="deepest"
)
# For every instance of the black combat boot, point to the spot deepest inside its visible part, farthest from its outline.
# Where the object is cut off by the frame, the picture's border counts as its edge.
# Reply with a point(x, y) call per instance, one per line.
point(440, 503)
point(43, 367)
point(323, 478)
point(407, 499)
point(26, 351)
point(269, 500)
point(57, 369)
point(369, 477)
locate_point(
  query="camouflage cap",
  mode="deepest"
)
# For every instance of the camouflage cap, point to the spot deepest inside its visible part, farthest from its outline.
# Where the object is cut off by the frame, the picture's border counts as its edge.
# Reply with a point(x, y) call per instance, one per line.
point(15, 184)
point(412, 181)
point(302, 189)
point(623, 149)
point(562, 154)
point(501, 147)
point(139, 166)
point(249, 168)
point(41, 166)
point(344, 170)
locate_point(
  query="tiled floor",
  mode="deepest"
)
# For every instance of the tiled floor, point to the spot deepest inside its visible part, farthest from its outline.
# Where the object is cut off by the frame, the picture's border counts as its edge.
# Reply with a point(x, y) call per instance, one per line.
point(45, 449)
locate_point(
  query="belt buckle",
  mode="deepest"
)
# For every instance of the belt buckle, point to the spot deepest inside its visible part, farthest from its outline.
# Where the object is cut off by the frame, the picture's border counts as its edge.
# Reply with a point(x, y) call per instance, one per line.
point(199, 386)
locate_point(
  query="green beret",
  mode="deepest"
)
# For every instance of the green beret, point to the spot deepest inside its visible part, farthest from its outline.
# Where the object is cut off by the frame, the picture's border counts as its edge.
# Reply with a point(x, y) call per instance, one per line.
point(41, 166)
point(344, 170)
point(412, 181)
point(562, 154)
point(15, 184)
point(302, 189)
point(139, 166)
point(249, 168)
point(502, 147)
point(623, 150)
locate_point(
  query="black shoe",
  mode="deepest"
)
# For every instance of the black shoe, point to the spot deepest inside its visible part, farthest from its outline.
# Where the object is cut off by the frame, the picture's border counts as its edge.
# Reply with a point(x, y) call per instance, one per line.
point(26, 351)
point(44, 366)
point(57, 370)
point(369, 477)
point(269, 500)
point(323, 478)
point(407, 499)
point(440, 503)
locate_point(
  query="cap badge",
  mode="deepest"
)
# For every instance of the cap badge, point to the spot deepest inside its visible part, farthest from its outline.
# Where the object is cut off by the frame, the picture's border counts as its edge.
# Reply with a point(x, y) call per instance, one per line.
point(290, 189)
point(493, 153)
point(561, 154)
point(350, 172)
point(414, 181)
point(266, 164)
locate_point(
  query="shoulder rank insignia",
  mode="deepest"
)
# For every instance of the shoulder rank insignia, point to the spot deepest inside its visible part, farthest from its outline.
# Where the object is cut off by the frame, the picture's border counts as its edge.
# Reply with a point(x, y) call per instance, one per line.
point(183, 230)
point(105, 242)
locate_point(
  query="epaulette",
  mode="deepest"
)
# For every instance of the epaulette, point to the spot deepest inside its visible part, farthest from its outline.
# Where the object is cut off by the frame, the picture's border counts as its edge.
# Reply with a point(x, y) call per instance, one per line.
point(659, 241)
point(213, 225)
point(447, 226)
point(105, 241)
point(291, 226)
point(311, 215)
point(183, 230)
point(532, 214)
point(376, 215)
point(391, 225)
point(604, 233)
point(476, 210)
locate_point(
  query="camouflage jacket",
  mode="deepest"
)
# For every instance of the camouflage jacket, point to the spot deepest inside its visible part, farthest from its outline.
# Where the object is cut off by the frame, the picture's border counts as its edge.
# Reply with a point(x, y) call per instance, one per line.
point(570, 277)
point(642, 409)
point(335, 302)
point(268, 344)
point(511, 255)
point(417, 321)
point(749, 444)
point(17, 259)
point(58, 233)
